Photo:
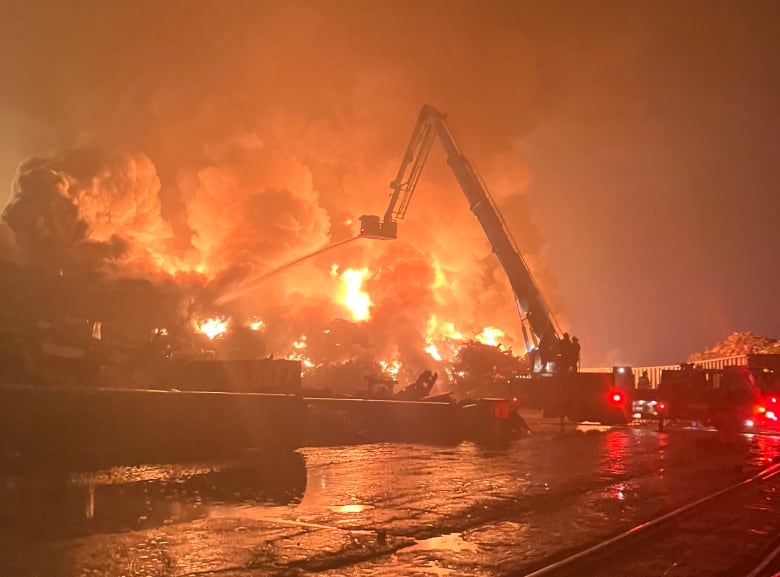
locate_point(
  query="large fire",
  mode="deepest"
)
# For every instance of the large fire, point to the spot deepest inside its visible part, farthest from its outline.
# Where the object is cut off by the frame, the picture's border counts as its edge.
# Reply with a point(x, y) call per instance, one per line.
point(406, 309)
point(174, 204)
point(257, 256)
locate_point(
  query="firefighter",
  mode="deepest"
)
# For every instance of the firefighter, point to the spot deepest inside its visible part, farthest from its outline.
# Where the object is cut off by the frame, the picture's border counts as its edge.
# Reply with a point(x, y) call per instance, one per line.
point(565, 354)
point(644, 381)
point(547, 350)
point(575, 354)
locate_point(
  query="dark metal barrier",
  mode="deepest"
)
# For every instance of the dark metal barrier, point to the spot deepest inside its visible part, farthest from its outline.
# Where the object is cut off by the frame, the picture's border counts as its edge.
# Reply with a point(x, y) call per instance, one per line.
point(98, 427)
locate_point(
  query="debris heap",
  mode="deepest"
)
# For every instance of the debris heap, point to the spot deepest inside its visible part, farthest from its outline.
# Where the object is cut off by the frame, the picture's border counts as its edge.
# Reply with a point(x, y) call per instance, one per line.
point(736, 344)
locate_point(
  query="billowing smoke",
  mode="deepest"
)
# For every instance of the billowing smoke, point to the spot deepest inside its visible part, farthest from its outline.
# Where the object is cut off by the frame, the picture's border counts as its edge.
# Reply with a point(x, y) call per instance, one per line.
point(208, 153)
point(9, 252)
point(89, 209)
point(251, 205)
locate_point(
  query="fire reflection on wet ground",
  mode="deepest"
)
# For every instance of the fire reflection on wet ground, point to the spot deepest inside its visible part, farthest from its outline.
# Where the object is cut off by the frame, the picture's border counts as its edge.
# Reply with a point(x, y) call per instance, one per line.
point(380, 509)
point(142, 497)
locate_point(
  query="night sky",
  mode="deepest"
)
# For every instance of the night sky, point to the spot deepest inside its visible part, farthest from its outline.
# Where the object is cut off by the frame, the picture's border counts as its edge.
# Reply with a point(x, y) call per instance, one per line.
point(656, 172)
point(645, 135)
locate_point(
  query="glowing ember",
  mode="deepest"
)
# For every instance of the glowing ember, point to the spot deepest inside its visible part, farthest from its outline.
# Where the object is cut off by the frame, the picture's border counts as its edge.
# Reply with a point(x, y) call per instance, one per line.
point(212, 328)
point(305, 361)
point(353, 297)
point(489, 336)
point(299, 346)
point(390, 367)
point(257, 325)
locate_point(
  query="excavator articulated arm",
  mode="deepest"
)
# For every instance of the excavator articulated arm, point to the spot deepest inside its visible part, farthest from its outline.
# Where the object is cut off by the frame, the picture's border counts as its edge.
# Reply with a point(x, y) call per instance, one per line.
point(431, 124)
point(404, 184)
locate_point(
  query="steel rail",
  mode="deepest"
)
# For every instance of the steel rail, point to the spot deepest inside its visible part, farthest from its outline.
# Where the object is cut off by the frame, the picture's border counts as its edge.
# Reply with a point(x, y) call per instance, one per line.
point(768, 559)
point(589, 552)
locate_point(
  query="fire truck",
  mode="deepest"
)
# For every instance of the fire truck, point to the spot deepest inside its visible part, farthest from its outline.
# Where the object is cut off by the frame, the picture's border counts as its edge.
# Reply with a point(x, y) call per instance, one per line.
point(732, 398)
point(550, 387)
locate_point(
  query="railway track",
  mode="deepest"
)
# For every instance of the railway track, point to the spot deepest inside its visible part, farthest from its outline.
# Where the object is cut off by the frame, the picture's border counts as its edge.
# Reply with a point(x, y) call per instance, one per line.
point(769, 565)
point(732, 532)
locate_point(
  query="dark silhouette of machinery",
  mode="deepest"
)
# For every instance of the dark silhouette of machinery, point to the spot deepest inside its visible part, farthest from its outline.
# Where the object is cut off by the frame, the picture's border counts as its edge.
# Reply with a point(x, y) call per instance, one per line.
point(564, 392)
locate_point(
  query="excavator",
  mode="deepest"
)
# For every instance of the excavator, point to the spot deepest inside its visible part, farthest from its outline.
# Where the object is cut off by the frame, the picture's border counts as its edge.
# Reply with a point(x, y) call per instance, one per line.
point(549, 386)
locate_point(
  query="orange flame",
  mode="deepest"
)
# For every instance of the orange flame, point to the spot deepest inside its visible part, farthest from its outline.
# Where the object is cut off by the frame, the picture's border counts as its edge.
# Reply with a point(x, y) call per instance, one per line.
point(442, 330)
point(433, 350)
point(489, 336)
point(353, 297)
point(391, 368)
point(442, 339)
point(213, 327)
point(299, 346)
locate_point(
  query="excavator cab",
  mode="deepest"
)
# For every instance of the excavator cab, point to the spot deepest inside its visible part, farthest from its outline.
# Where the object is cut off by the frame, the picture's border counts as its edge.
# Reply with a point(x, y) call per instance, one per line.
point(372, 227)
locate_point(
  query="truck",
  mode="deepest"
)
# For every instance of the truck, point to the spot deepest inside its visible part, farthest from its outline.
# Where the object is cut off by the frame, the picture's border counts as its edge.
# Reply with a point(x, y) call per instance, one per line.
point(550, 386)
point(732, 398)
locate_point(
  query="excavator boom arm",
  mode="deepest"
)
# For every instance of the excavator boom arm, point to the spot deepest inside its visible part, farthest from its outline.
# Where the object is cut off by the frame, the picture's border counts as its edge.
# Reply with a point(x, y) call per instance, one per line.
point(431, 124)
point(405, 182)
point(528, 297)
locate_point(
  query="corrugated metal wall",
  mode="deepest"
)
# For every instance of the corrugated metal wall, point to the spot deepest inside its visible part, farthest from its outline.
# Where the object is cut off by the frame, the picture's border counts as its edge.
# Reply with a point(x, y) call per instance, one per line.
point(654, 373)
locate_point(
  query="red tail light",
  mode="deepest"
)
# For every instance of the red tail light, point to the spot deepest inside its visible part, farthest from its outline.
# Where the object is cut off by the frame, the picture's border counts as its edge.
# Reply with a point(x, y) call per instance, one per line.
point(616, 397)
point(661, 407)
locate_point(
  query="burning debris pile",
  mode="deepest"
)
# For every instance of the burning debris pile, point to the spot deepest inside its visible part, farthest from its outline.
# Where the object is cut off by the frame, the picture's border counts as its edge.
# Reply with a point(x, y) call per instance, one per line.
point(97, 268)
point(484, 370)
point(99, 271)
point(736, 344)
point(476, 370)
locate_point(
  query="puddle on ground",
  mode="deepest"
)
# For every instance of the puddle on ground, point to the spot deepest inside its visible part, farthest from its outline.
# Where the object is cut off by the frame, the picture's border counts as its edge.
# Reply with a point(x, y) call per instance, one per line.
point(143, 497)
point(588, 427)
point(351, 508)
point(450, 542)
point(434, 569)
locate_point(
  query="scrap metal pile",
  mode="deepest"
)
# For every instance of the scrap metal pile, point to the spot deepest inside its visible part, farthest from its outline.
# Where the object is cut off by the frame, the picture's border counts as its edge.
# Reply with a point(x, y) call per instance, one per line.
point(737, 344)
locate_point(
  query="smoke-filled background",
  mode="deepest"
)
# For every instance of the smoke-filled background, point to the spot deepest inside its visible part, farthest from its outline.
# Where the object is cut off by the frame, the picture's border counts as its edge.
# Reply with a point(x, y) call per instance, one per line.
point(162, 155)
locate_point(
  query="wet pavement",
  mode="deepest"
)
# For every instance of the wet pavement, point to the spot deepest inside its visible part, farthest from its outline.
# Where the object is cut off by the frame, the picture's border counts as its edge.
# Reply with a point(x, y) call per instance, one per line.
point(726, 537)
point(366, 510)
